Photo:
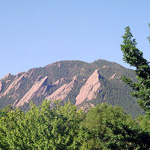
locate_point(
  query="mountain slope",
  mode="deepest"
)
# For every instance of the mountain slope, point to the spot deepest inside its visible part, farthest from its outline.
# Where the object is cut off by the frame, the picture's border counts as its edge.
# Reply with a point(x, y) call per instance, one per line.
point(84, 84)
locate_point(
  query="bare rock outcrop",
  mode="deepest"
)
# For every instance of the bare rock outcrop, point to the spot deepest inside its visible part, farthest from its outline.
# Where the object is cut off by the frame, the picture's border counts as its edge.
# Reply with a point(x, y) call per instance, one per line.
point(112, 77)
point(62, 92)
point(58, 81)
point(105, 66)
point(30, 74)
point(37, 89)
point(1, 86)
point(14, 85)
point(6, 76)
point(89, 89)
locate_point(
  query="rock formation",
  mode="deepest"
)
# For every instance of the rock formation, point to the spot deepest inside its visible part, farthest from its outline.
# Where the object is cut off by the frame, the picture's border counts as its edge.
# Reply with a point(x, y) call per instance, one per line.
point(89, 89)
point(14, 85)
point(38, 88)
point(62, 92)
point(1, 86)
point(113, 76)
point(84, 84)
point(6, 76)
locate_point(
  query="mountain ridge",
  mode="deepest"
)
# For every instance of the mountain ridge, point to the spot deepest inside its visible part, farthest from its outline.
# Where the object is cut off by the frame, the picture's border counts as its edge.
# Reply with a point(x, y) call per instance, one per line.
point(80, 82)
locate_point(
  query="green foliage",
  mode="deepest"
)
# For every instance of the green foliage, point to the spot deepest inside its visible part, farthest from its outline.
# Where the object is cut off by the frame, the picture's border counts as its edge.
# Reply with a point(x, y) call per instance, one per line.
point(114, 94)
point(144, 122)
point(4, 111)
point(110, 128)
point(41, 128)
point(133, 56)
point(65, 128)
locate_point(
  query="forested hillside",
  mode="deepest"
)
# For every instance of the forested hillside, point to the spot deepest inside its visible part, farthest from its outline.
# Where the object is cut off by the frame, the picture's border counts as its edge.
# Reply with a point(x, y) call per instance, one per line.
point(83, 84)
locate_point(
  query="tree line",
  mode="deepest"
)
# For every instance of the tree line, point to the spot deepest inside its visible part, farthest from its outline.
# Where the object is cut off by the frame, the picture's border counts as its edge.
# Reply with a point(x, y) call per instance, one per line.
point(66, 128)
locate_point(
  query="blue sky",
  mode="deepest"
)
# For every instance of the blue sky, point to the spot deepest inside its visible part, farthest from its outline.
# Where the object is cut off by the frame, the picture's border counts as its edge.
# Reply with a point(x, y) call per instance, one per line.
point(35, 33)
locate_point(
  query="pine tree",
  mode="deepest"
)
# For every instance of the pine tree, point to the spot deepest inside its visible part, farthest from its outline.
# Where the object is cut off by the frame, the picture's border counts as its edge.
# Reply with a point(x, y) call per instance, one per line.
point(133, 56)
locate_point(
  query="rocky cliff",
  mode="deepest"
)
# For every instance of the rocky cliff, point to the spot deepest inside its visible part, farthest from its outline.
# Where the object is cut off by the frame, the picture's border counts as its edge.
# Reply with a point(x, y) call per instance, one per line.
point(89, 90)
point(38, 88)
point(62, 92)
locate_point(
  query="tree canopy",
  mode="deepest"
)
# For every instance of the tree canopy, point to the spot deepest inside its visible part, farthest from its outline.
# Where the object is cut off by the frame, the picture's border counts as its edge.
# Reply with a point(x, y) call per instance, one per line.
point(133, 56)
point(65, 127)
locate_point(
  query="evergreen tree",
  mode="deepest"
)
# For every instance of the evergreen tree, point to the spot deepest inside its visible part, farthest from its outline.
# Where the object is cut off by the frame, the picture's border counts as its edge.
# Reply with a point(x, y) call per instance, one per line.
point(133, 56)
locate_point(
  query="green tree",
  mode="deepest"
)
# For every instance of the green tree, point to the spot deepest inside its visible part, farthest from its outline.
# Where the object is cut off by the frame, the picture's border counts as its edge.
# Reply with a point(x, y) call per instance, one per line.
point(109, 128)
point(4, 111)
point(41, 128)
point(133, 56)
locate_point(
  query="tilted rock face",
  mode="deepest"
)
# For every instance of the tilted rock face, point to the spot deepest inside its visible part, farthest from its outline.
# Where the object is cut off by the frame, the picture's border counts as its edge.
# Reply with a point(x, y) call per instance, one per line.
point(113, 76)
point(14, 85)
point(62, 92)
point(1, 86)
point(89, 89)
point(38, 88)
point(6, 76)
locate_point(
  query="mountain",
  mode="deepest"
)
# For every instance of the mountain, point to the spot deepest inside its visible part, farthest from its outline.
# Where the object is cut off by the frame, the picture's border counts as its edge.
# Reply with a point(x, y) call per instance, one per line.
point(84, 84)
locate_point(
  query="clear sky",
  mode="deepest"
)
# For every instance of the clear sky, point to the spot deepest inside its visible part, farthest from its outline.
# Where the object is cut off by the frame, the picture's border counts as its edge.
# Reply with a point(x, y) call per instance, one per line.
point(35, 33)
